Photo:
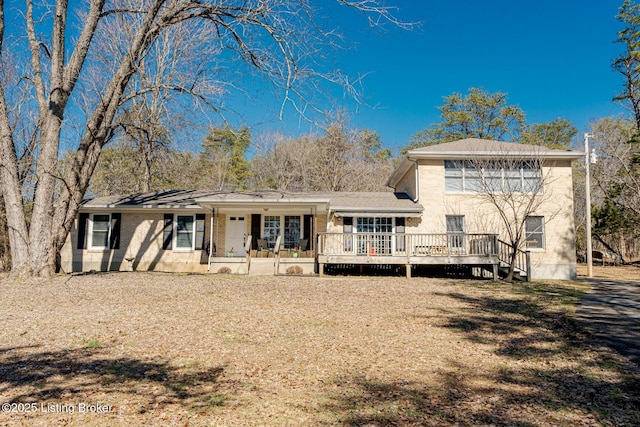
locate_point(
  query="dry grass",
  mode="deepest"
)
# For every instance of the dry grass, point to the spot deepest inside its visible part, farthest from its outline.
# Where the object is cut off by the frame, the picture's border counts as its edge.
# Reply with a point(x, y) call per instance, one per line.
point(192, 350)
point(618, 272)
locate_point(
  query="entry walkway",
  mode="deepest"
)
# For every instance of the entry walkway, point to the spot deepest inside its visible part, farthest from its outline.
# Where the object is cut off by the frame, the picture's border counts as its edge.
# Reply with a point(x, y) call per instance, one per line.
point(611, 311)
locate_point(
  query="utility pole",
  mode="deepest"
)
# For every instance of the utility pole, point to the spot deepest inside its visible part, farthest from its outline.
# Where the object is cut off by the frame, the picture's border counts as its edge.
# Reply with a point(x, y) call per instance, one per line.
point(587, 193)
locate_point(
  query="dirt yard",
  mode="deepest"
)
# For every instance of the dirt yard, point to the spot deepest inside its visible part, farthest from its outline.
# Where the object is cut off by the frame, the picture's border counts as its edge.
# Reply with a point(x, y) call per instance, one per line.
point(190, 350)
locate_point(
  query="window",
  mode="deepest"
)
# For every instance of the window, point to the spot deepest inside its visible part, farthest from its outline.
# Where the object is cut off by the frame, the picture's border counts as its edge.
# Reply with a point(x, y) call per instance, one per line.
point(455, 231)
point(291, 232)
point(494, 177)
point(534, 229)
point(453, 174)
point(100, 227)
point(512, 180)
point(374, 225)
point(271, 229)
point(184, 236)
point(531, 178)
point(472, 178)
point(375, 235)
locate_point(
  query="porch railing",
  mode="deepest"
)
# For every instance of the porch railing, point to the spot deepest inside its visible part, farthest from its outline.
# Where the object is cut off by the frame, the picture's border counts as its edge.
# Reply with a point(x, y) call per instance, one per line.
point(392, 244)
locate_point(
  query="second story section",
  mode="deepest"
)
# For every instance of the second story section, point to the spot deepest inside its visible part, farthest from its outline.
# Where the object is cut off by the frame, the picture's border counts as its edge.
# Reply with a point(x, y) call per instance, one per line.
point(462, 169)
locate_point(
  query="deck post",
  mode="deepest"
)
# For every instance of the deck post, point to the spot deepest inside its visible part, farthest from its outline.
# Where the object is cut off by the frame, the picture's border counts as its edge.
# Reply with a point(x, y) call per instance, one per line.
point(213, 214)
point(276, 254)
point(321, 269)
point(247, 253)
point(495, 272)
point(408, 270)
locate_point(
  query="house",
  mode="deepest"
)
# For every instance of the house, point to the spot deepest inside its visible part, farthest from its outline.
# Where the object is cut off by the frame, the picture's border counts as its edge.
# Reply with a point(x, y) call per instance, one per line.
point(440, 213)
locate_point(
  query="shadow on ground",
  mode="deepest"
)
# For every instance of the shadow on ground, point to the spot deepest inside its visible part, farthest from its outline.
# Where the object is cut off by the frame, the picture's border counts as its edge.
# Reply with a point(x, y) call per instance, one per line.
point(611, 312)
point(557, 374)
point(27, 375)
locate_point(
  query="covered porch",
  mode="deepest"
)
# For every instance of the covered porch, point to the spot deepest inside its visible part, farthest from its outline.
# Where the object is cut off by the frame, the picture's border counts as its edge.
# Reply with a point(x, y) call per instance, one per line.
point(264, 232)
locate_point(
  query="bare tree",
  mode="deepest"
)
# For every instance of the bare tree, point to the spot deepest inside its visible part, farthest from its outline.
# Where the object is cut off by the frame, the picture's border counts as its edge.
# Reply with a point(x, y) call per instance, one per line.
point(158, 87)
point(517, 186)
point(67, 74)
point(282, 163)
point(343, 159)
point(616, 178)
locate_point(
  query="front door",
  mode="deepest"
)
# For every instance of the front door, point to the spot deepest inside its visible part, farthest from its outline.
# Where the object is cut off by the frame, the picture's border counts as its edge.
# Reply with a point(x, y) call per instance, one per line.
point(236, 233)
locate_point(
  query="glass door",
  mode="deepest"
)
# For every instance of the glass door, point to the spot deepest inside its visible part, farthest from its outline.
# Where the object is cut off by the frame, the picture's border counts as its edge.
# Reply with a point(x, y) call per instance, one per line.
point(374, 235)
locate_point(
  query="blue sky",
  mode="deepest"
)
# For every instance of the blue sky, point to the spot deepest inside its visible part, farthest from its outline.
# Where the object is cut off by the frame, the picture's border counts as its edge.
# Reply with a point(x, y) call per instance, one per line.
point(552, 57)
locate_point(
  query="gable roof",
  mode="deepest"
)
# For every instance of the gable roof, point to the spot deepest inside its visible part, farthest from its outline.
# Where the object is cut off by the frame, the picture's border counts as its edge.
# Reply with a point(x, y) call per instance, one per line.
point(337, 202)
point(489, 148)
point(169, 199)
point(470, 148)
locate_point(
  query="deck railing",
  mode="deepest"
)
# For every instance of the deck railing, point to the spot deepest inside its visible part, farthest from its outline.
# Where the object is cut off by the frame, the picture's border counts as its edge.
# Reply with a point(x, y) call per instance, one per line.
point(407, 245)
point(522, 259)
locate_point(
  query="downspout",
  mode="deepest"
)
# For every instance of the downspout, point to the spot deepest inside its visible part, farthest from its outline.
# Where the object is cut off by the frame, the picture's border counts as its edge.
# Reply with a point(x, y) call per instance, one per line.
point(415, 164)
point(213, 213)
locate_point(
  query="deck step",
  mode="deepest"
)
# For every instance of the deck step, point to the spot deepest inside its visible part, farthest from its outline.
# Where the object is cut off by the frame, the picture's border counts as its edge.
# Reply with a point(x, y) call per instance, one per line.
point(503, 271)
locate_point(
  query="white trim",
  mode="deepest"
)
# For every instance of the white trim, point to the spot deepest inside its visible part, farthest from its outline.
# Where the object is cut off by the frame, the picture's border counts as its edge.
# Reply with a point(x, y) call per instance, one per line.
point(90, 244)
point(174, 242)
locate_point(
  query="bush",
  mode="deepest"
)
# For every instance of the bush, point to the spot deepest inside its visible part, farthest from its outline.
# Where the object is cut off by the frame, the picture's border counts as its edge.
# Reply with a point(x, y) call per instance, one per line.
point(224, 270)
point(294, 269)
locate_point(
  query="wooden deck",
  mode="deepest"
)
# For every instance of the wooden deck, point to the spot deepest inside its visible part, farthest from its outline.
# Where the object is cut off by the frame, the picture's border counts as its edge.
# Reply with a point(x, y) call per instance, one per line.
point(478, 250)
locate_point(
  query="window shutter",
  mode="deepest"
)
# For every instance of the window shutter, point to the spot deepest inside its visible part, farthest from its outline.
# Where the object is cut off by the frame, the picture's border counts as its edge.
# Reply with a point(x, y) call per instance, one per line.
point(200, 226)
point(114, 240)
point(167, 232)
point(347, 226)
point(83, 220)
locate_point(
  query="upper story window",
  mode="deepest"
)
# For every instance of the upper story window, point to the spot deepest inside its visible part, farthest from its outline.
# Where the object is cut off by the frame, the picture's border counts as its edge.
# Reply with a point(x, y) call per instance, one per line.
point(492, 176)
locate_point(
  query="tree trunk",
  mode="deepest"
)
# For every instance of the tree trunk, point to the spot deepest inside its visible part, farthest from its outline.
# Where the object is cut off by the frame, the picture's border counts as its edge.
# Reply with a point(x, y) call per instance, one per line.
point(146, 183)
point(42, 256)
point(12, 192)
point(512, 266)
